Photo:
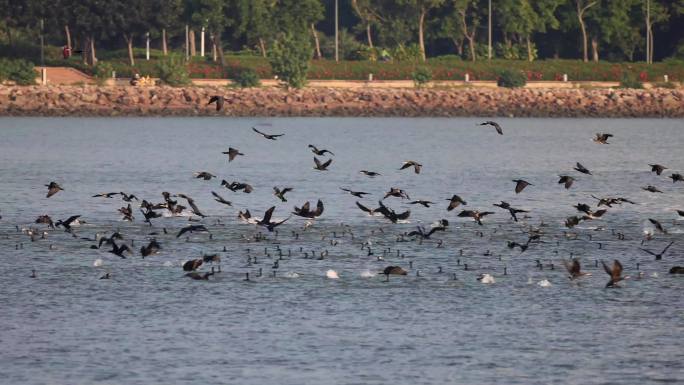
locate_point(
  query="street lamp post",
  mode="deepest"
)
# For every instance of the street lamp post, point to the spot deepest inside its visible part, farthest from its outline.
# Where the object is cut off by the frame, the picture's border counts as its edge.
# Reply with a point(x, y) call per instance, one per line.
point(648, 32)
point(147, 46)
point(337, 40)
point(202, 43)
point(489, 38)
point(43, 70)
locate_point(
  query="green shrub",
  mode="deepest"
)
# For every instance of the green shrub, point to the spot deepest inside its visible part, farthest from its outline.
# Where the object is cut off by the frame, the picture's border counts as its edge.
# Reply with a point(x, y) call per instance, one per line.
point(630, 81)
point(173, 72)
point(19, 71)
point(246, 77)
point(421, 76)
point(102, 72)
point(670, 85)
point(406, 53)
point(511, 79)
point(289, 59)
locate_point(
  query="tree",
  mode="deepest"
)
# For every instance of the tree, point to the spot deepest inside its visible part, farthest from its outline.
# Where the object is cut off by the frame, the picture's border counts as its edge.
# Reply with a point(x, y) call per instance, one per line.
point(165, 17)
point(421, 8)
point(466, 10)
point(582, 7)
point(290, 57)
point(523, 18)
point(255, 22)
point(211, 15)
point(364, 10)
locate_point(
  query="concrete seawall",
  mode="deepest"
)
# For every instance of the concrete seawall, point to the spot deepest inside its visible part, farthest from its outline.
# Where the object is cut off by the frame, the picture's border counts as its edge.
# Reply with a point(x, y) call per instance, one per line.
point(268, 101)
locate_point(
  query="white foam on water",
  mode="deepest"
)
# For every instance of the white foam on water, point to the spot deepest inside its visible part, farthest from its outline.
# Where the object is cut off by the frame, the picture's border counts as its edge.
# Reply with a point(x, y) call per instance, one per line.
point(98, 262)
point(544, 283)
point(487, 278)
point(168, 264)
point(291, 274)
point(367, 274)
point(332, 274)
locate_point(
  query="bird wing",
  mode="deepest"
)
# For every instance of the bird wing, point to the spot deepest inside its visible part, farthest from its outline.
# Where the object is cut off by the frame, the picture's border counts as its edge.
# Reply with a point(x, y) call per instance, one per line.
point(213, 99)
point(607, 269)
point(617, 268)
point(259, 132)
point(319, 208)
point(317, 162)
point(364, 208)
point(326, 164)
point(71, 219)
point(466, 213)
point(498, 128)
point(519, 186)
point(404, 215)
point(286, 190)
point(649, 251)
point(667, 247)
point(406, 165)
point(267, 215)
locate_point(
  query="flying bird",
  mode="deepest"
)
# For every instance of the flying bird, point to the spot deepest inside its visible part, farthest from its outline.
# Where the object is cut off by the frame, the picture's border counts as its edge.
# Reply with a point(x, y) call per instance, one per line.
point(67, 223)
point(396, 192)
point(204, 175)
point(319, 152)
point(232, 153)
point(152, 248)
point(306, 212)
point(192, 229)
point(652, 189)
point(371, 174)
point(602, 138)
point(615, 273)
point(120, 250)
point(475, 214)
point(359, 194)
point(321, 166)
point(582, 169)
point(281, 193)
point(657, 168)
point(411, 163)
point(567, 180)
point(574, 269)
point(658, 256)
point(53, 188)
point(657, 225)
point(493, 124)
point(520, 185)
point(192, 264)
point(267, 136)
point(421, 202)
point(220, 199)
point(219, 100)
point(266, 220)
point(455, 201)
point(676, 177)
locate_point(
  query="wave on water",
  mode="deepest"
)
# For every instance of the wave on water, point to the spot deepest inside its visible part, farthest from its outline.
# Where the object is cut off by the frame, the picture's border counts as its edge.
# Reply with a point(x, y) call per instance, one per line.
point(332, 274)
point(98, 262)
point(367, 274)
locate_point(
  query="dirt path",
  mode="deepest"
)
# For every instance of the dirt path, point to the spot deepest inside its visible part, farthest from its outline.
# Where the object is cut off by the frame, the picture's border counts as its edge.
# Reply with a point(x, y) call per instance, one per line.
point(65, 75)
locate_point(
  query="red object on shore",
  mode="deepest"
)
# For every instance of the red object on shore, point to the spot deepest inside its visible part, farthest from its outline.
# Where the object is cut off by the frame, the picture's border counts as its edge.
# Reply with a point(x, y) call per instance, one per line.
point(66, 52)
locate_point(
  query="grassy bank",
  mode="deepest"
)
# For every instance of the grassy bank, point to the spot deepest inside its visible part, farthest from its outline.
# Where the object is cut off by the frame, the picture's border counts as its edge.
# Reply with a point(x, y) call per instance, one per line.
point(442, 68)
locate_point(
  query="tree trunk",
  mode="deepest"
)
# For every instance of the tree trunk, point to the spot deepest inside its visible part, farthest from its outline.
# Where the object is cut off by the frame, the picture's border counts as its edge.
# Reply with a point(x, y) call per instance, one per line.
point(213, 47)
point(594, 49)
point(93, 56)
point(471, 43)
point(458, 43)
point(421, 38)
point(318, 44)
point(85, 48)
point(369, 36)
point(585, 56)
point(8, 30)
point(165, 48)
point(530, 56)
point(68, 36)
point(470, 36)
point(262, 46)
point(219, 49)
point(193, 48)
point(129, 45)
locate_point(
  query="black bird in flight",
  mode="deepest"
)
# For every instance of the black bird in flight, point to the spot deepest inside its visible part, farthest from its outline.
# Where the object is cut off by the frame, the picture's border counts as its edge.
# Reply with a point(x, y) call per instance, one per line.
point(567, 180)
point(220, 199)
point(359, 194)
point(192, 229)
point(267, 136)
point(319, 152)
point(396, 192)
point(652, 189)
point(321, 166)
point(657, 168)
point(520, 185)
point(657, 225)
point(371, 174)
point(611, 201)
point(53, 188)
point(574, 269)
point(476, 215)
point(455, 201)
point(219, 100)
point(306, 212)
point(266, 220)
point(389, 213)
point(192, 264)
point(493, 124)
point(152, 248)
point(615, 273)
point(602, 138)
point(582, 169)
point(421, 232)
point(281, 193)
point(128, 197)
point(421, 202)
point(676, 177)
point(193, 206)
point(46, 220)
point(204, 175)
point(412, 163)
point(658, 256)
point(232, 153)
point(235, 186)
point(67, 223)
point(106, 195)
point(120, 250)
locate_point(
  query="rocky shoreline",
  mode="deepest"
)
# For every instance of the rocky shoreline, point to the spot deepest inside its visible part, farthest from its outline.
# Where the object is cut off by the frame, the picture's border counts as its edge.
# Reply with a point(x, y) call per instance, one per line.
point(271, 101)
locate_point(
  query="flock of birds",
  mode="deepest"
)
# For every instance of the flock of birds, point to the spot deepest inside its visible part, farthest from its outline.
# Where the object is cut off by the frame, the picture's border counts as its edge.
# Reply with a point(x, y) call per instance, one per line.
point(115, 242)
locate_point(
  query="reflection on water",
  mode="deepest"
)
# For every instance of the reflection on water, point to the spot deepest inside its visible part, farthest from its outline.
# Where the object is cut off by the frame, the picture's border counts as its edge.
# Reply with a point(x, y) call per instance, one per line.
point(296, 323)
